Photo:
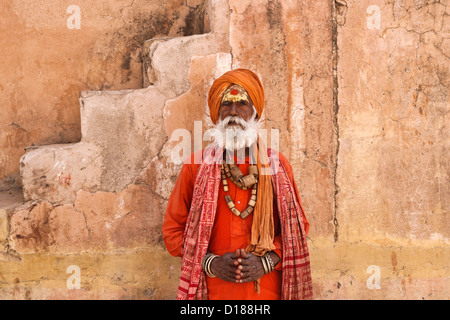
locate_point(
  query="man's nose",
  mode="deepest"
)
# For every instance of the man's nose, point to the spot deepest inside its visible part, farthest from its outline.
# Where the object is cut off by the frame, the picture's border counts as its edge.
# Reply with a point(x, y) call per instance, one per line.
point(234, 109)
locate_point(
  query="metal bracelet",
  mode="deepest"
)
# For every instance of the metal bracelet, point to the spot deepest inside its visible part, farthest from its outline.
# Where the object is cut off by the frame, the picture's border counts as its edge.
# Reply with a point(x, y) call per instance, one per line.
point(265, 265)
point(269, 261)
point(206, 264)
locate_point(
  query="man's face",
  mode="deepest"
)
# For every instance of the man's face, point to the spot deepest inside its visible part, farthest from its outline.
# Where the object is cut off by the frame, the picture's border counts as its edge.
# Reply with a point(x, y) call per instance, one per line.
point(238, 123)
point(236, 103)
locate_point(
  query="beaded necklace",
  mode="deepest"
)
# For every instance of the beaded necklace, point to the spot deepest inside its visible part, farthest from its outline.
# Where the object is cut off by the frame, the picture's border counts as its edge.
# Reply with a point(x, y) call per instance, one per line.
point(236, 176)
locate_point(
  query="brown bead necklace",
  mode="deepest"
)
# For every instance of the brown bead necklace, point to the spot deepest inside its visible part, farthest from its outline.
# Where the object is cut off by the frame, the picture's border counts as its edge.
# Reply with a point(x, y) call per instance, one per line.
point(233, 172)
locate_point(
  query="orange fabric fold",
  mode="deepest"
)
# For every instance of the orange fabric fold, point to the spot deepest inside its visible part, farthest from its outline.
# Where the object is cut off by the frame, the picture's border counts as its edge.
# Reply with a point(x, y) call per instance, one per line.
point(262, 228)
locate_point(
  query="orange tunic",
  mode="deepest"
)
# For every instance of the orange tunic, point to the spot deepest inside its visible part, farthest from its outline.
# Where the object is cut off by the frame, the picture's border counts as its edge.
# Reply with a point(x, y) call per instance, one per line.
point(229, 232)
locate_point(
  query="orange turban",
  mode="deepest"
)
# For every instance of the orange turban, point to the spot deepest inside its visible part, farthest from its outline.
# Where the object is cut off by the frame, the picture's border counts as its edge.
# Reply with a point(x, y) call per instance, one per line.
point(243, 77)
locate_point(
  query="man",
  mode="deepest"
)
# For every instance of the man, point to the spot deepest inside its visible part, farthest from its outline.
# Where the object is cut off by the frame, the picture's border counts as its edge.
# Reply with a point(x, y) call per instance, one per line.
point(236, 218)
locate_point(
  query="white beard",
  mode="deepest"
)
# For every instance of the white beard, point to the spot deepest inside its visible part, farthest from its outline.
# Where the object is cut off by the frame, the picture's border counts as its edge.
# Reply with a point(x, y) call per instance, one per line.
point(233, 138)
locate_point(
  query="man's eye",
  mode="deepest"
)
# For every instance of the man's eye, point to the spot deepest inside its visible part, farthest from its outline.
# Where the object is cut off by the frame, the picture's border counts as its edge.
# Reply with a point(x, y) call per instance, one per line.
point(243, 102)
point(226, 103)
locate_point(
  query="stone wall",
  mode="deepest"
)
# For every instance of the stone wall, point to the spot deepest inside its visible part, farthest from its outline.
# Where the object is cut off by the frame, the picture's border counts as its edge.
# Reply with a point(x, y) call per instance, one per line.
point(357, 90)
point(392, 175)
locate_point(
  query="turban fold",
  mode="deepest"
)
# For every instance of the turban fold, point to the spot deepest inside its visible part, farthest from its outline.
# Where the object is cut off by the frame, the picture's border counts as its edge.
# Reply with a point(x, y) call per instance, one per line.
point(243, 77)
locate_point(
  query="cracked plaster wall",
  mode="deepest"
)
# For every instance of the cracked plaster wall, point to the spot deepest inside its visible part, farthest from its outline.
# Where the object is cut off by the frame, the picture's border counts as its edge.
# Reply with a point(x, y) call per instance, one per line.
point(393, 122)
point(392, 169)
point(362, 118)
point(104, 54)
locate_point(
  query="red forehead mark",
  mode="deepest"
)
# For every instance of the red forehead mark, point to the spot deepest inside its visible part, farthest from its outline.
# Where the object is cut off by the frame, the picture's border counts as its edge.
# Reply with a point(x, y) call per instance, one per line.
point(234, 92)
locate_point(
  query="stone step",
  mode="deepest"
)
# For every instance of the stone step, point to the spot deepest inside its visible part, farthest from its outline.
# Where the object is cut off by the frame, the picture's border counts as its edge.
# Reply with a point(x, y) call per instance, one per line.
point(167, 60)
point(9, 200)
point(121, 132)
point(57, 172)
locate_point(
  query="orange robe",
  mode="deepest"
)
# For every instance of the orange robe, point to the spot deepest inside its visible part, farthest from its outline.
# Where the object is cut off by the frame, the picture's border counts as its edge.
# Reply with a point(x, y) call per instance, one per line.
point(228, 234)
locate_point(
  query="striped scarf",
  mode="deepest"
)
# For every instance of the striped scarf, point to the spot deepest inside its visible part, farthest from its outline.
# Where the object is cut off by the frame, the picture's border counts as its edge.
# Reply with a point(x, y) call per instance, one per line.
point(296, 273)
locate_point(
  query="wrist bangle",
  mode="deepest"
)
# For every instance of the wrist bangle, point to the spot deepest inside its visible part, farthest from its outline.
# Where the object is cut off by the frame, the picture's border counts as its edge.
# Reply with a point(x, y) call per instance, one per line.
point(206, 264)
point(264, 264)
point(267, 263)
point(269, 259)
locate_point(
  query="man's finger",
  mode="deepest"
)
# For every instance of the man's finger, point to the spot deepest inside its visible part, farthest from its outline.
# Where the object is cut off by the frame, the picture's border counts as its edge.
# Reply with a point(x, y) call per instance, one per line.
point(248, 260)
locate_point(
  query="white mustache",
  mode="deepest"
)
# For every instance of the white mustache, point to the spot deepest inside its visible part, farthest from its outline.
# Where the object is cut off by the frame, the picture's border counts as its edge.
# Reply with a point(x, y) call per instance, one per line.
point(236, 119)
point(236, 137)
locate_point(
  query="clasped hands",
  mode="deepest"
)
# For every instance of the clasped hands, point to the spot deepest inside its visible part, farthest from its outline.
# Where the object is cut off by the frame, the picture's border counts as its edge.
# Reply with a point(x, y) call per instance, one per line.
point(238, 267)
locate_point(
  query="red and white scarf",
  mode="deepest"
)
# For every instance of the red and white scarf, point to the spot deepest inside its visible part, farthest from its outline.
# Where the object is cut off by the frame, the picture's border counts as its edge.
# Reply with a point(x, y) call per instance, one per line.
point(296, 273)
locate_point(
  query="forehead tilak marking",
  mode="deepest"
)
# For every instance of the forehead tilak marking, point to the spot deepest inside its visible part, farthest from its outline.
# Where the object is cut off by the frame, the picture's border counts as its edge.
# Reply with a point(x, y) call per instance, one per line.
point(235, 93)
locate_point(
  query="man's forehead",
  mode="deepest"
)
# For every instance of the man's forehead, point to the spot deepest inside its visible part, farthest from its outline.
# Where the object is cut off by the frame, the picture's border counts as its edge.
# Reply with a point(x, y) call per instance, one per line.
point(235, 93)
